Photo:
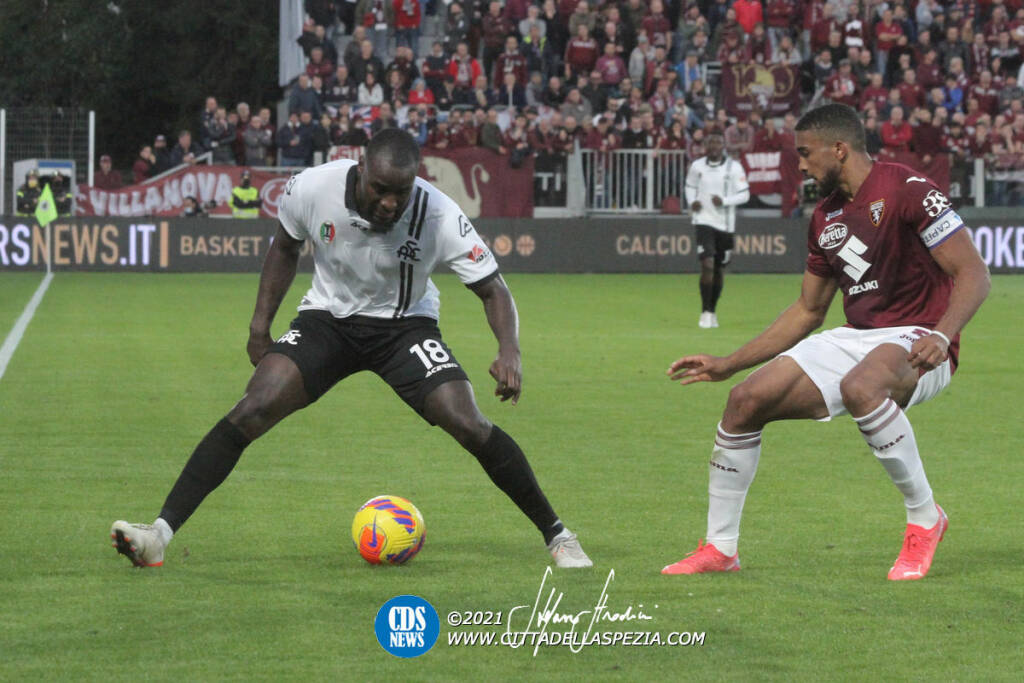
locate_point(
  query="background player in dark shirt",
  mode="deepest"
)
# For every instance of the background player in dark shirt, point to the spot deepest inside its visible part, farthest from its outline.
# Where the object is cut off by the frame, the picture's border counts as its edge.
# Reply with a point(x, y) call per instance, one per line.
point(911, 279)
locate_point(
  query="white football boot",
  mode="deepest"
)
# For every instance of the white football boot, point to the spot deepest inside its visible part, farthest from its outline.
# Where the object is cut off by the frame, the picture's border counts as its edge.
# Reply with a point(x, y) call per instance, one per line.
point(567, 551)
point(140, 543)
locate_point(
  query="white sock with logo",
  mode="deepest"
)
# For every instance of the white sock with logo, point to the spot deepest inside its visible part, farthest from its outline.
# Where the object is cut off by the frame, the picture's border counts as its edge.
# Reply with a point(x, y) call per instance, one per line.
point(890, 436)
point(730, 473)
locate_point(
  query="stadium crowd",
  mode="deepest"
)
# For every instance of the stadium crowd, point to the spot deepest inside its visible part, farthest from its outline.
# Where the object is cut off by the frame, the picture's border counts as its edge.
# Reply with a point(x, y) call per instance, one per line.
point(535, 78)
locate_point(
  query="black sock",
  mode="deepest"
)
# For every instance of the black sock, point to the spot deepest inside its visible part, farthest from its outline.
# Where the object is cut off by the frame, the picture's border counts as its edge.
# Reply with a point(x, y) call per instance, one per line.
point(705, 296)
point(507, 467)
point(211, 462)
point(716, 289)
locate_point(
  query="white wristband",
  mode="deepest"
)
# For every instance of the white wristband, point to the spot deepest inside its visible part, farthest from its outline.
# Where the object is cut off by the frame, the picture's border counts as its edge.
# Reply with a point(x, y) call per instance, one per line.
point(939, 334)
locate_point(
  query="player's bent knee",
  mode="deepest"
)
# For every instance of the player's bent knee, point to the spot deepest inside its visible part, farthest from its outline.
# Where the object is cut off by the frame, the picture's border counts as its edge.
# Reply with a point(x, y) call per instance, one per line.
point(744, 408)
point(471, 430)
point(272, 395)
point(860, 395)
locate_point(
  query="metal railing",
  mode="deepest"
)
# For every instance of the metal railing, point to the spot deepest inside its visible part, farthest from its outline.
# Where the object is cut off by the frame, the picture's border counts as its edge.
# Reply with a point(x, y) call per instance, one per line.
point(631, 180)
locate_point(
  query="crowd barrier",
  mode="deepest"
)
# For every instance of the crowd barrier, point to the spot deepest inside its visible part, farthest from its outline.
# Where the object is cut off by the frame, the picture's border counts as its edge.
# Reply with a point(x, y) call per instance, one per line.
point(630, 245)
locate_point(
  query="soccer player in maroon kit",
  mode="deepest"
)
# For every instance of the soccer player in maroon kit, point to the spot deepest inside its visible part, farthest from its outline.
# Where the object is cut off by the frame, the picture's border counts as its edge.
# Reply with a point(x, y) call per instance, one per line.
point(911, 279)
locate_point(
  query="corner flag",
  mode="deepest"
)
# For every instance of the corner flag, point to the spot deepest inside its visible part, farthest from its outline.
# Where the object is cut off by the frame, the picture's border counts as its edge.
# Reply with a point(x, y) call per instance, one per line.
point(46, 211)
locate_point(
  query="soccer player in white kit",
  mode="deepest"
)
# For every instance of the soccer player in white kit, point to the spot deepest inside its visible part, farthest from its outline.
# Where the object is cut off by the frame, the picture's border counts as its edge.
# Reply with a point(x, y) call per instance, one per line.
point(715, 186)
point(377, 232)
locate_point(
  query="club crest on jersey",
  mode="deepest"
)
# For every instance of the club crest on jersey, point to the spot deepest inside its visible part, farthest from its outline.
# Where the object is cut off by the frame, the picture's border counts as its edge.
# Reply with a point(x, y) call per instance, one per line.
point(877, 210)
point(832, 236)
point(327, 232)
point(477, 254)
point(409, 251)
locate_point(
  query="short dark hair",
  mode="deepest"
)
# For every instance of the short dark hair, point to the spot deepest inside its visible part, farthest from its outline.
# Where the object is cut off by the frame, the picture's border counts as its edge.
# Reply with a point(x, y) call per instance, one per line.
point(396, 144)
point(834, 122)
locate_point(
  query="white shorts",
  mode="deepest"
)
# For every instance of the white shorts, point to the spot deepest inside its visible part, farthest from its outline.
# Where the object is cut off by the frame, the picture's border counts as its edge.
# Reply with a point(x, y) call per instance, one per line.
point(828, 356)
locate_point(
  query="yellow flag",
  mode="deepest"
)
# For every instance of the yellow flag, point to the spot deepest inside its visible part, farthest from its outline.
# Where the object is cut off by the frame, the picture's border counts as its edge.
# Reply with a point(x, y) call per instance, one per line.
point(46, 210)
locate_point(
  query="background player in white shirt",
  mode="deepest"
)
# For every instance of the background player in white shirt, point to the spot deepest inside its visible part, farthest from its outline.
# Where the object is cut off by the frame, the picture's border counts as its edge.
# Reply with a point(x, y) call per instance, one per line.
point(377, 233)
point(715, 185)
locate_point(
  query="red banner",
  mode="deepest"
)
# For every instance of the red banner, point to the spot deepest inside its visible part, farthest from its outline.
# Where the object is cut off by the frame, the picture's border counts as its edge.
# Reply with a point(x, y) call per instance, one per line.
point(772, 172)
point(772, 90)
point(480, 181)
point(211, 185)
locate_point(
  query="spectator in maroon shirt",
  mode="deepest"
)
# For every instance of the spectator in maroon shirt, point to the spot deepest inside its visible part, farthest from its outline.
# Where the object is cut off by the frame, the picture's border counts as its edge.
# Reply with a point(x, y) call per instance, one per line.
point(602, 137)
point(758, 49)
point(516, 10)
point(408, 17)
point(842, 86)
point(911, 92)
point(980, 142)
point(495, 27)
point(929, 73)
point(438, 138)
point(997, 24)
point(143, 166)
point(978, 57)
point(610, 66)
point(926, 140)
point(779, 17)
point(510, 61)
point(318, 65)
point(823, 26)
point(887, 32)
point(896, 132)
point(580, 53)
point(106, 177)
point(769, 138)
point(986, 93)
point(659, 30)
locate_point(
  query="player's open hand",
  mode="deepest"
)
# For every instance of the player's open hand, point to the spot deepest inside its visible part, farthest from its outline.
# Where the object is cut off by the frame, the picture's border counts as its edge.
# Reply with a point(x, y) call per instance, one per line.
point(257, 346)
point(699, 368)
point(507, 371)
point(928, 352)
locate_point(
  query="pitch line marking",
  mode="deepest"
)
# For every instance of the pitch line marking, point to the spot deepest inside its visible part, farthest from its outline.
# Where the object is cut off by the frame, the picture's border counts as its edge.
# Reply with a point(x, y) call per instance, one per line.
point(18, 331)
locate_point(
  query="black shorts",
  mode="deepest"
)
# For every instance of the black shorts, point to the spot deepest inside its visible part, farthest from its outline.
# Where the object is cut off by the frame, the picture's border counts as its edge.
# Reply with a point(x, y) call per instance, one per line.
point(715, 242)
point(408, 354)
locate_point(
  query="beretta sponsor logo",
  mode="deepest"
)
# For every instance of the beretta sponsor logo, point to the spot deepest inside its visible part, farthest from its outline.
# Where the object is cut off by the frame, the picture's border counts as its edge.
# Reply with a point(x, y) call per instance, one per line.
point(832, 236)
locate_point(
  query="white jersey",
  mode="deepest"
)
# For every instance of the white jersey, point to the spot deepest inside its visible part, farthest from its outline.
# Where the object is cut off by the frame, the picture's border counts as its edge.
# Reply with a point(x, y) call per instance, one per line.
point(381, 275)
point(725, 179)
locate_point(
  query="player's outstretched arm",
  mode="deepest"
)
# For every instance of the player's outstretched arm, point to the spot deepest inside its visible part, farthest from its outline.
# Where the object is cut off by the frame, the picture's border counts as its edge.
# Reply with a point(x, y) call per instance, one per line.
point(276, 277)
point(500, 308)
point(801, 318)
point(959, 259)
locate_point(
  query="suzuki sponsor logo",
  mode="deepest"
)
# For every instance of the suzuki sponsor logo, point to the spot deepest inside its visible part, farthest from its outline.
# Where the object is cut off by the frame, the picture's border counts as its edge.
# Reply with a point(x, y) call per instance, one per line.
point(863, 287)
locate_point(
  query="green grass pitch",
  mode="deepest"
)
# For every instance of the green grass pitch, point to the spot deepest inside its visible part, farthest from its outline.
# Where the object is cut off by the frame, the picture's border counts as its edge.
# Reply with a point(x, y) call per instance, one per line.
point(119, 375)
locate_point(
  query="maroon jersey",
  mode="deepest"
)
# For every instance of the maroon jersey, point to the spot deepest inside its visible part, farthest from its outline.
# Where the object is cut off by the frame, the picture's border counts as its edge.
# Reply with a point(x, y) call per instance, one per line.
point(877, 246)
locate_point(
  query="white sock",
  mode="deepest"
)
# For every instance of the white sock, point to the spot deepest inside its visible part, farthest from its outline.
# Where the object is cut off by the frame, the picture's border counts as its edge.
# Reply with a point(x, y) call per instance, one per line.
point(163, 529)
point(730, 472)
point(887, 430)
